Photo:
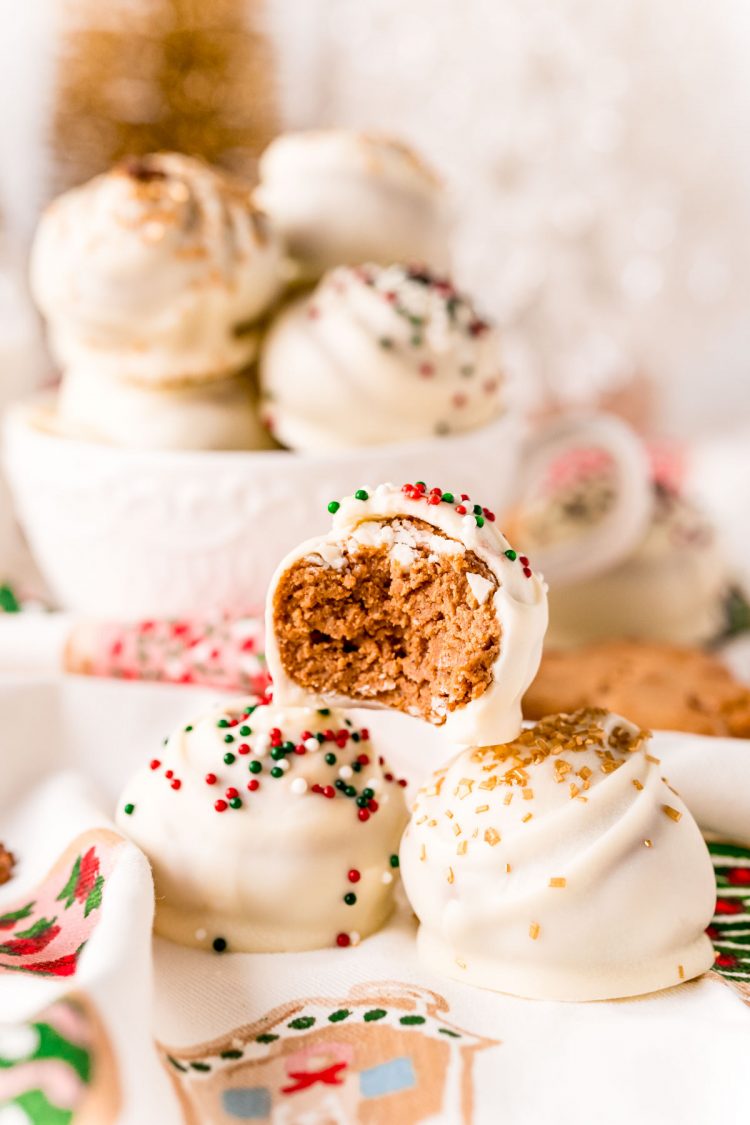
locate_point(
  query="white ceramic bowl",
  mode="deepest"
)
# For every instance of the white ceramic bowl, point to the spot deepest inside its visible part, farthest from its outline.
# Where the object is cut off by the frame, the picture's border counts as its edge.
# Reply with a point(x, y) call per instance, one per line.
point(136, 533)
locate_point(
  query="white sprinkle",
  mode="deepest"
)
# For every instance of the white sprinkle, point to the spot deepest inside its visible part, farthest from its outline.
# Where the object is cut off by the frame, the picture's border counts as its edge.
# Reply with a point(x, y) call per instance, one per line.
point(346, 772)
point(283, 764)
point(311, 744)
point(299, 786)
point(354, 938)
point(200, 935)
point(386, 877)
point(373, 783)
point(260, 748)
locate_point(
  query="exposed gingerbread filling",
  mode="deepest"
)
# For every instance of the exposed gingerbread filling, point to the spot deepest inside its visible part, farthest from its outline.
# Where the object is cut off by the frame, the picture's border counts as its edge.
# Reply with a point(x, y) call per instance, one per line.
point(400, 615)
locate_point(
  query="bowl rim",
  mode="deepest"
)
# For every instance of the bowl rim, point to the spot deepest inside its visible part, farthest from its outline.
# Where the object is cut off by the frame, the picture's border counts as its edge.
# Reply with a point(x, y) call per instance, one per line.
point(19, 420)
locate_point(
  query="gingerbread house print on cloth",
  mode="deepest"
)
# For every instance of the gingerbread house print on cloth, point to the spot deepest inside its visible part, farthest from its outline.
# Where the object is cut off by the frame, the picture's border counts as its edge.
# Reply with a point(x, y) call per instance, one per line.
point(386, 1052)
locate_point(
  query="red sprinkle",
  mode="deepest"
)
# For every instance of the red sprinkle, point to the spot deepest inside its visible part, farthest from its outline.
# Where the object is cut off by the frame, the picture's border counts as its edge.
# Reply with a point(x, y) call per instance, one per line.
point(403, 782)
point(460, 508)
point(220, 806)
point(329, 736)
point(169, 773)
point(523, 560)
point(388, 776)
point(464, 496)
point(363, 759)
point(275, 736)
point(329, 792)
point(433, 500)
point(363, 814)
point(488, 515)
point(300, 749)
point(154, 763)
point(343, 940)
point(373, 806)
point(253, 784)
point(176, 784)
point(527, 572)
point(364, 734)
point(243, 748)
point(316, 788)
point(231, 793)
point(305, 735)
point(353, 876)
point(210, 779)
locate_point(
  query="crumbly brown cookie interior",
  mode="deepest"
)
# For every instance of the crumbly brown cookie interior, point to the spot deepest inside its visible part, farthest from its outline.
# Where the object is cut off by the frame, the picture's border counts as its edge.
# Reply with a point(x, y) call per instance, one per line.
point(414, 638)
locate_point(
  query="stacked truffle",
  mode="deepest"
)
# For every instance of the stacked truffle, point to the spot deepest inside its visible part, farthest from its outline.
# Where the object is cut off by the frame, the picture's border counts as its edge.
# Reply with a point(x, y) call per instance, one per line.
point(554, 862)
point(159, 279)
point(153, 279)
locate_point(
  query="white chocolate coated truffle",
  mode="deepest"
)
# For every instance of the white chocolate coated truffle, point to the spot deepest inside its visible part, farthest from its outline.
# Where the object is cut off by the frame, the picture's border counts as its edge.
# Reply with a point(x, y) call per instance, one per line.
point(155, 271)
point(221, 414)
point(672, 587)
point(340, 197)
point(255, 837)
point(377, 355)
point(560, 867)
point(473, 696)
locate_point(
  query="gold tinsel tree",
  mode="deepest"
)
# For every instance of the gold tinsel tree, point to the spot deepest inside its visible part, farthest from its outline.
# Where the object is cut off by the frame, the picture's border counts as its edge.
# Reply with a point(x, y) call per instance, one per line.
point(134, 76)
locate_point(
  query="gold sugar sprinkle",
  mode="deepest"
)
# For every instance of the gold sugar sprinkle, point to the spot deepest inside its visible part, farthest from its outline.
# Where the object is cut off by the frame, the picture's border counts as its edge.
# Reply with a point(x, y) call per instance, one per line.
point(482, 808)
point(527, 817)
point(432, 823)
point(464, 788)
point(508, 798)
point(534, 929)
point(673, 814)
point(648, 843)
point(654, 761)
point(421, 820)
point(488, 783)
point(527, 794)
point(507, 869)
point(449, 814)
point(475, 833)
point(492, 837)
point(638, 784)
point(462, 846)
point(681, 972)
point(461, 964)
point(558, 882)
point(423, 853)
point(574, 790)
point(449, 875)
point(434, 790)
point(584, 773)
point(456, 829)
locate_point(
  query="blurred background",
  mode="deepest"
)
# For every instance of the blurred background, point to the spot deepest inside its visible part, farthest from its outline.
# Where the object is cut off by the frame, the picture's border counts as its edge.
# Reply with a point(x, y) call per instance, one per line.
point(597, 157)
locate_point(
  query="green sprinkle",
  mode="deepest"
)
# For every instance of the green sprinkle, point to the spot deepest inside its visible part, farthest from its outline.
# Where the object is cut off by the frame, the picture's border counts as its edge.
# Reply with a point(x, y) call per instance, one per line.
point(477, 509)
point(201, 1066)
point(350, 898)
point(188, 730)
point(339, 1015)
point(480, 521)
point(229, 758)
point(330, 759)
point(301, 1023)
point(177, 1065)
point(355, 736)
point(266, 1038)
point(447, 1031)
point(333, 507)
point(324, 710)
point(369, 793)
point(278, 752)
point(412, 1021)
point(448, 497)
point(229, 738)
point(255, 766)
point(340, 785)
point(232, 1054)
point(357, 767)
point(512, 555)
point(223, 723)
point(129, 809)
point(362, 802)
point(287, 747)
point(235, 803)
point(374, 1014)
point(245, 731)
point(277, 772)
point(360, 494)
point(350, 791)
point(394, 861)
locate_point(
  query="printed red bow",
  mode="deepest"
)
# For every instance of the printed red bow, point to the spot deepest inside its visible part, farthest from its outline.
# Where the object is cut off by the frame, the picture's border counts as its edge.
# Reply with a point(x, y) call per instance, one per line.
point(330, 1076)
